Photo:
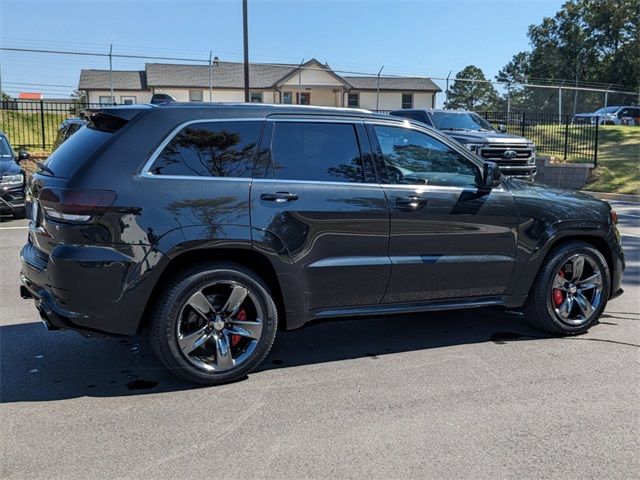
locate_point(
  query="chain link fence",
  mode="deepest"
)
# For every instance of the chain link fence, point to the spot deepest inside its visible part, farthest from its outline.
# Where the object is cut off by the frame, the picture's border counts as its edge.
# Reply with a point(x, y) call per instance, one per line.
point(50, 78)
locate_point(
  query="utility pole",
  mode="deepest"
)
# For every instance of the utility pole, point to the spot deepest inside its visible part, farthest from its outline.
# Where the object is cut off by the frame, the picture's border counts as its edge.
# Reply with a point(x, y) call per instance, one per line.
point(378, 90)
point(113, 100)
point(245, 30)
point(446, 93)
point(210, 76)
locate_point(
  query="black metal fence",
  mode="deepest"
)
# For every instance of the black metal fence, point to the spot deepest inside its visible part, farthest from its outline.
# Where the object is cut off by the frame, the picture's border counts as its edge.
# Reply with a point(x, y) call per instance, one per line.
point(33, 125)
point(562, 137)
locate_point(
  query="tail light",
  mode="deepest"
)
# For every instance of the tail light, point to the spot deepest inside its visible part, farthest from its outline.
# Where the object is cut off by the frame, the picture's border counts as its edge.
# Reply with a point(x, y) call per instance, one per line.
point(75, 206)
point(614, 217)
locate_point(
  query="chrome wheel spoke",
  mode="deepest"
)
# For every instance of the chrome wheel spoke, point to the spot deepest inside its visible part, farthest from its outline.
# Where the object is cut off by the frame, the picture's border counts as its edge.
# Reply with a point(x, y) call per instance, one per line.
point(559, 282)
point(564, 309)
point(584, 305)
point(589, 283)
point(201, 305)
point(577, 264)
point(224, 359)
point(233, 303)
point(191, 341)
point(246, 328)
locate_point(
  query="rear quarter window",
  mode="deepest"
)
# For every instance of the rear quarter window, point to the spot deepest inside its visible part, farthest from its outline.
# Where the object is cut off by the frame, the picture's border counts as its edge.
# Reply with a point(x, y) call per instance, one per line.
point(210, 149)
point(69, 156)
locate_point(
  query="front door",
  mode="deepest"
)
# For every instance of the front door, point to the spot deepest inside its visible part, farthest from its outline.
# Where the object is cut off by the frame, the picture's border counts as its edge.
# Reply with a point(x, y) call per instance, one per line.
point(320, 205)
point(448, 239)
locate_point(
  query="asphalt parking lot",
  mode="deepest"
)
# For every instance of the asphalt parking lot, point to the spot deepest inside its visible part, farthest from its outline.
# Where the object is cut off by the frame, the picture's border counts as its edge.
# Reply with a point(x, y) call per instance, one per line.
point(469, 394)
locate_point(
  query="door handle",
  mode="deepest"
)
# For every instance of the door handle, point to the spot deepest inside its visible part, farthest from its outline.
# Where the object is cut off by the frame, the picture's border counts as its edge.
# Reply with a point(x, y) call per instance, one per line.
point(279, 197)
point(411, 202)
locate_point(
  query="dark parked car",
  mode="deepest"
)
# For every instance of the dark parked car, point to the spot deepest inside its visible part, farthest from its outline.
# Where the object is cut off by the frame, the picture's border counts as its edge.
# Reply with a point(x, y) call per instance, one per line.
point(515, 155)
point(12, 180)
point(68, 128)
point(210, 226)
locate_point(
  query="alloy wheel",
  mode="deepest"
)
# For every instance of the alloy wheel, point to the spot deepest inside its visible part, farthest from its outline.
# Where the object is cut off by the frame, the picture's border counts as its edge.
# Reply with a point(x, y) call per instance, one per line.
point(576, 290)
point(219, 326)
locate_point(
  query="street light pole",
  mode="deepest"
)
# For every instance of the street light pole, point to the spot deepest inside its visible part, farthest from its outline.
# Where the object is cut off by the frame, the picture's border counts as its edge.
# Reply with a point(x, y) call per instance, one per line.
point(245, 30)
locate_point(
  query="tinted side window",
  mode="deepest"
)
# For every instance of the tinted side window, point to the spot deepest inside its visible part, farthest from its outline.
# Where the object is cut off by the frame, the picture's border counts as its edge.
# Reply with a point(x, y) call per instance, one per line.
point(211, 149)
point(316, 151)
point(412, 157)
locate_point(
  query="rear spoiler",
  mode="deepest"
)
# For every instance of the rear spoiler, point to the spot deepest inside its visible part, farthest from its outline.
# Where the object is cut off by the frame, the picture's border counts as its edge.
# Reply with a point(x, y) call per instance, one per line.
point(110, 119)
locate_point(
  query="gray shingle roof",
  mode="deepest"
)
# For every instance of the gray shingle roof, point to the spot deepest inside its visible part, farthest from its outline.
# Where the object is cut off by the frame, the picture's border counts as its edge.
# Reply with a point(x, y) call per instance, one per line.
point(393, 83)
point(224, 75)
point(122, 80)
point(231, 75)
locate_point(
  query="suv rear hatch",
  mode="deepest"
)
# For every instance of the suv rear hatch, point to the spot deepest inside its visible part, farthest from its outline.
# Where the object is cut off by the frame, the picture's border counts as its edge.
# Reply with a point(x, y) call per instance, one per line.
point(59, 210)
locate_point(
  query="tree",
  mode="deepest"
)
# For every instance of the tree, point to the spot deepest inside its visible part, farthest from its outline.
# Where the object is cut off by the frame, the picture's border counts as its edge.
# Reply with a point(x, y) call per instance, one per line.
point(78, 101)
point(476, 94)
point(594, 41)
point(513, 74)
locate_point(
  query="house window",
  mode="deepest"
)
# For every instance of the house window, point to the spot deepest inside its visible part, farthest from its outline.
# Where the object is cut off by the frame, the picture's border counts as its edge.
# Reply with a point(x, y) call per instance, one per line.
point(407, 100)
point(303, 98)
point(255, 97)
point(195, 95)
point(106, 100)
point(128, 100)
point(287, 98)
point(353, 100)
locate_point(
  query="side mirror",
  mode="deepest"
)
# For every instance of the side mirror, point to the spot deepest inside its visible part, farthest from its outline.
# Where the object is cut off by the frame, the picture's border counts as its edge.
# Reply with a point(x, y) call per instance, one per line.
point(491, 176)
point(23, 155)
point(502, 128)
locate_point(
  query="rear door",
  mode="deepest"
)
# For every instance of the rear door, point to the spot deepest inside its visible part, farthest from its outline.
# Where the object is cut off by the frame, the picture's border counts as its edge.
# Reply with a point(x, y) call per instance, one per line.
point(316, 203)
point(448, 239)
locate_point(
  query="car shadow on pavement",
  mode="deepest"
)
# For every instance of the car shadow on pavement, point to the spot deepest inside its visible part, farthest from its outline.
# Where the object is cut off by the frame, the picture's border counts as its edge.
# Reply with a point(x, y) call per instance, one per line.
point(37, 365)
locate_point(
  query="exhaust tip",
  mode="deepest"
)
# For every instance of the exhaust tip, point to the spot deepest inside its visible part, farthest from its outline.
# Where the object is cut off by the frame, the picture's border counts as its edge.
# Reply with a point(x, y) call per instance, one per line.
point(25, 293)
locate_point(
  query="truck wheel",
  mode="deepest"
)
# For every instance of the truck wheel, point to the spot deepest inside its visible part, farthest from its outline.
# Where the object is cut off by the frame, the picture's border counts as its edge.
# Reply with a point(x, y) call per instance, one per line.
point(214, 323)
point(570, 291)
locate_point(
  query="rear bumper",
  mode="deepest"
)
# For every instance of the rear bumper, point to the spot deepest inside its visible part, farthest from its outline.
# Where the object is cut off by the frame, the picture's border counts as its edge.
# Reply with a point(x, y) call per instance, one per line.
point(93, 289)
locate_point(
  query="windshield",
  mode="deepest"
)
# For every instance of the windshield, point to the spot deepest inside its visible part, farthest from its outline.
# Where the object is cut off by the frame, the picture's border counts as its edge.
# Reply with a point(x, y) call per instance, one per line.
point(607, 110)
point(5, 149)
point(459, 121)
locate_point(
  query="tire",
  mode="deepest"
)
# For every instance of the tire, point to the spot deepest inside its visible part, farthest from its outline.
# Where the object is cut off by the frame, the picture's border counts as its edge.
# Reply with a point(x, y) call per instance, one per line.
point(189, 334)
point(559, 308)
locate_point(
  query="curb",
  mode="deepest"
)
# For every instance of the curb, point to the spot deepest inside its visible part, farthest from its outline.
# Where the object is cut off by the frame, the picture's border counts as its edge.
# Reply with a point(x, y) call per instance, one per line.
point(614, 196)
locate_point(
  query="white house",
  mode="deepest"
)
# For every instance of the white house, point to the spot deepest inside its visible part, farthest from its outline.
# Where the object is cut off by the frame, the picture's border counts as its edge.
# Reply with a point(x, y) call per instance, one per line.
point(311, 83)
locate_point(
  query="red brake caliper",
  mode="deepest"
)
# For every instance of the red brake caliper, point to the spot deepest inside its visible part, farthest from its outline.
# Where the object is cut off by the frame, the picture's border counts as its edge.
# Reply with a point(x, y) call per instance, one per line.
point(558, 295)
point(242, 317)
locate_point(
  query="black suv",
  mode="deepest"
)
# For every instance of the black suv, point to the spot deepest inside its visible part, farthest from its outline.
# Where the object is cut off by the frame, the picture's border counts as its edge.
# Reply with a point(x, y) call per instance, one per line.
point(515, 155)
point(12, 179)
point(210, 226)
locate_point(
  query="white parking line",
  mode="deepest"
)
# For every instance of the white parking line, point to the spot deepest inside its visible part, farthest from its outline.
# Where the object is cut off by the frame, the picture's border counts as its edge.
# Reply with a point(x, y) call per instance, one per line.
point(629, 235)
point(13, 228)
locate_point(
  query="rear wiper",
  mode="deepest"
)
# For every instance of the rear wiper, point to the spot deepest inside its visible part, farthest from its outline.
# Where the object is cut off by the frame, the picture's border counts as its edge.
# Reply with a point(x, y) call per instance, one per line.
point(44, 168)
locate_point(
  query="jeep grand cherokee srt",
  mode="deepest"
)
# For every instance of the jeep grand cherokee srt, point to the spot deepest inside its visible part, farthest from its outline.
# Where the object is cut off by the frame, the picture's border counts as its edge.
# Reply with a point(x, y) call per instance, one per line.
point(210, 226)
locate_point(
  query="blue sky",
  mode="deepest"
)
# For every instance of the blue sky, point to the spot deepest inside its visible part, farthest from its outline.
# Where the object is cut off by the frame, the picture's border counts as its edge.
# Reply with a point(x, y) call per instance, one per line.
point(408, 37)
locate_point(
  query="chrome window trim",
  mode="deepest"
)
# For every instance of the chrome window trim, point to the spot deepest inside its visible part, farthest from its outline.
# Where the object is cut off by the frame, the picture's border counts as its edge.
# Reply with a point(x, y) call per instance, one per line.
point(146, 173)
point(314, 182)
